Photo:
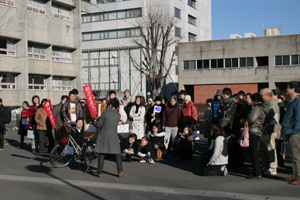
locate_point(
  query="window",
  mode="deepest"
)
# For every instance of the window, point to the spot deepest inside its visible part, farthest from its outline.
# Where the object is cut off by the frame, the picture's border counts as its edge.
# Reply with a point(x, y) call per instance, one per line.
point(190, 64)
point(178, 13)
point(250, 62)
point(242, 62)
point(7, 47)
point(7, 81)
point(8, 2)
point(176, 50)
point(213, 64)
point(278, 60)
point(177, 32)
point(37, 82)
point(85, 59)
point(61, 83)
point(186, 65)
point(206, 64)
point(295, 60)
point(192, 20)
point(109, 1)
point(262, 61)
point(36, 52)
point(176, 69)
point(286, 60)
point(235, 62)
point(113, 15)
point(227, 62)
point(199, 64)
point(61, 13)
point(220, 63)
point(192, 37)
point(192, 3)
point(122, 33)
point(61, 55)
point(36, 6)
point(94, 58)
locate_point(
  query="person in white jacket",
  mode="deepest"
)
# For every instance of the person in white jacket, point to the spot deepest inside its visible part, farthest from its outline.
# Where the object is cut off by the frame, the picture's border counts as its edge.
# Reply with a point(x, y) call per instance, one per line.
point(219, 159)
point(137, 114)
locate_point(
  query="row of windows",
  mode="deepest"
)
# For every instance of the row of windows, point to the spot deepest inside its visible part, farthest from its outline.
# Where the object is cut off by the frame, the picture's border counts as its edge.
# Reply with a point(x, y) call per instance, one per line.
point(218, 63)
point(102, 35)
point(287, 60)
point(36, 51)
point(109, 1)
point(36, 6)
point(114, 15)
point(8, 81)
point(8, 2)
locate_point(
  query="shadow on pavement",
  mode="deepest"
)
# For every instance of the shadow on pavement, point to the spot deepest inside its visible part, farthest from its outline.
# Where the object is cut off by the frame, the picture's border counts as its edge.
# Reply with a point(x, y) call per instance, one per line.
point(47, 170)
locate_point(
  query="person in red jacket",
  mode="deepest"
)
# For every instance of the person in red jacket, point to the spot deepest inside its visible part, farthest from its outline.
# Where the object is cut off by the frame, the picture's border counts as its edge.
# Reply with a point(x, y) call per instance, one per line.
point(189, 113)
point(24, 122)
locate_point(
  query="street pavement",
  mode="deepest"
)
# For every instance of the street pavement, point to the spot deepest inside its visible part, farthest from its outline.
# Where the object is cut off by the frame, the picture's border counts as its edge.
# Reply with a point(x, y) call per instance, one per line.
point(24, 175)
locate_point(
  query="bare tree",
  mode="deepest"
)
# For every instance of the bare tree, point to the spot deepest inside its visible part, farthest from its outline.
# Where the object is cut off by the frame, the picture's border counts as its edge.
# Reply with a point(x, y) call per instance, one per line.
point(157, 36)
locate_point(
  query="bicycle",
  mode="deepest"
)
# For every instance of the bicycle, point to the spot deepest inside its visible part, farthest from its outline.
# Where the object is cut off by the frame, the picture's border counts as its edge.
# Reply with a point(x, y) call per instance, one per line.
point(67, 149)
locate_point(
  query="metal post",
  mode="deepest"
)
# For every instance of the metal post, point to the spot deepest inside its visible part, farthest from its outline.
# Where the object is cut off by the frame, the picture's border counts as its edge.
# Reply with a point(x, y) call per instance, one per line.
point(119, 70)
point(99, 72)
point(109, 69)
point(141, 71)
point(129, 73)
point(89, 67)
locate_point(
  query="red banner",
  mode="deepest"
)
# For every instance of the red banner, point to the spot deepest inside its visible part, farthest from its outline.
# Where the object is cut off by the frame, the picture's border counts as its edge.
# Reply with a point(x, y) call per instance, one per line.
point(49, 110)
point(88, 91)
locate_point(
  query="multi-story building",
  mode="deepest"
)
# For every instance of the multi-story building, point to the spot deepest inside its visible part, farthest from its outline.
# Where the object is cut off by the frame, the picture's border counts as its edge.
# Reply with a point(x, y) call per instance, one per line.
point(107, 32)
point(247, 64)
point(40, 49)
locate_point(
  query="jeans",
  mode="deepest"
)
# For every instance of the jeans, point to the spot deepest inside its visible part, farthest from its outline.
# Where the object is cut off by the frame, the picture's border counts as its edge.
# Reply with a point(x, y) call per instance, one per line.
point(42, 136)
point(294, 147)
point(118, 162)
point(253, 147)
point(171, 134)
point(1, 139)
point(124, 155)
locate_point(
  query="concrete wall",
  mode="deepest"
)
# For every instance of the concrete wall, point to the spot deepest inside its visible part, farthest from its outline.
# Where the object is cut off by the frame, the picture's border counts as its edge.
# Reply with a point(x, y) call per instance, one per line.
point(24, 26)
point(238, 48)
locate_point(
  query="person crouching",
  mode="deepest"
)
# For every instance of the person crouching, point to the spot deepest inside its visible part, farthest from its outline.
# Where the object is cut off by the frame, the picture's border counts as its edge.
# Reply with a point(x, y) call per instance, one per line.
point(147, 152)
point(129, 147)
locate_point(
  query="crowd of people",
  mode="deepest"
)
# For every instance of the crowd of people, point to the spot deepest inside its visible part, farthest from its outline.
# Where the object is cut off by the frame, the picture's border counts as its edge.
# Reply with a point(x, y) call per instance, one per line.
point(159, 128)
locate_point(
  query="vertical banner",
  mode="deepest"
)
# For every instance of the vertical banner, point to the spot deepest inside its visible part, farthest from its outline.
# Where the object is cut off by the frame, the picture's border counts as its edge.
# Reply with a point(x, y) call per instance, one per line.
point(88, 91)
point(49, 110)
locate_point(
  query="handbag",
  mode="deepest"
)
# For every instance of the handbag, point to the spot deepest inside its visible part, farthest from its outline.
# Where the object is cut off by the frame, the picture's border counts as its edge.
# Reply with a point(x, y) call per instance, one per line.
point(225, 120)
point(25, 121)
point(30, 134)
point(161, 152)
point(244, 139)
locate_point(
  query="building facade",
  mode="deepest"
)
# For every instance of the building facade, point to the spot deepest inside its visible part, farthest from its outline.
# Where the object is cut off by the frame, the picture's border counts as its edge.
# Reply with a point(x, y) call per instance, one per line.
point(40, 49)
point(109, 27)
point(247, 64)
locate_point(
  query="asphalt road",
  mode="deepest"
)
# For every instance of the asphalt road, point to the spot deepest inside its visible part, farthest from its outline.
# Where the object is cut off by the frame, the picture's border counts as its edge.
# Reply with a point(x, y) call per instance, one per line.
point(24, 175)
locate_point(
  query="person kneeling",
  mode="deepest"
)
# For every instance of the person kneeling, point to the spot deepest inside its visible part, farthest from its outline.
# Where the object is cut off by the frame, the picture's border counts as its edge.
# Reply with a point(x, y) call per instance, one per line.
point(129, 147)
point(147, 152)
point(219, 159)
point(183, 146)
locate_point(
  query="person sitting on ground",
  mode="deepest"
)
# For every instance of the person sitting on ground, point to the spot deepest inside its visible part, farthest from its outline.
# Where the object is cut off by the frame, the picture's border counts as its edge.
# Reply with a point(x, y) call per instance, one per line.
point(158, 137)
point(129, 147)
point(183, 148)
point(78, 132)
point(219, 159)
point(147, 152)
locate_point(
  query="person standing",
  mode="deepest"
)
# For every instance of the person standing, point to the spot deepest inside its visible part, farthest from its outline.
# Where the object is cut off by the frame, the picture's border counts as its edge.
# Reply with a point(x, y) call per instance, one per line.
point(241, 113)
point(171, 119)
point(72, 109)
point(5, 118)
point(189, 113)
point(208, 119)
point(32, 124)
point(137, 114)
point(249, 101)
point(24, 123)
point(255, 120)
point(215, 105)
point(155, 115)
point(182, 94)
point(108, 139)
point(41, 126)
point(127, 101)
point(270, 128)
point(291, 129)
point(57, 112)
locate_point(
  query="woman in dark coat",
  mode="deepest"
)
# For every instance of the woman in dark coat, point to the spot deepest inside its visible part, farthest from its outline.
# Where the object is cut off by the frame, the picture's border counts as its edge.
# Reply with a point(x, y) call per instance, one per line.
point(108, 139)
point(240, 114)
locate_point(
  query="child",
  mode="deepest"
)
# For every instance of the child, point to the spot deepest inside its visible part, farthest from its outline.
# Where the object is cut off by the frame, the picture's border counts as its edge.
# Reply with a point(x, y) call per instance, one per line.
point(184, 145)
point(129, 147)
point(147, 151)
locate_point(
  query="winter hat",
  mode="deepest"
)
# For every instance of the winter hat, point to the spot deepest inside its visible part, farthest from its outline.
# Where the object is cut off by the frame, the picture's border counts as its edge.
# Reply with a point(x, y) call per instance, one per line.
point(140, 94)
point(157, 98)
point(219, 92)
point(187, 98)
point(150, 100)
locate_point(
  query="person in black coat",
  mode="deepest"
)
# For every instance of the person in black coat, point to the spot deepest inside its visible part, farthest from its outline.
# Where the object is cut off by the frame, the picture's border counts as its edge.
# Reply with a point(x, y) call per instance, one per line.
point(129, 147)
point(156, 116)
point(78, 132)
point(5, 118)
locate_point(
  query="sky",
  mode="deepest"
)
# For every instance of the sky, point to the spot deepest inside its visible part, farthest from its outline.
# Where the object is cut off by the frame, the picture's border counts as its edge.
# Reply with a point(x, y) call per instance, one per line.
point(244, 16)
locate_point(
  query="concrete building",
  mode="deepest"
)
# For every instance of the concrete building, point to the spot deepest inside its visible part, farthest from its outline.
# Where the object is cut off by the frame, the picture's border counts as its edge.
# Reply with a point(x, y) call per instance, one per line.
point(247, 64)
point(107, 32)
point(40, 49)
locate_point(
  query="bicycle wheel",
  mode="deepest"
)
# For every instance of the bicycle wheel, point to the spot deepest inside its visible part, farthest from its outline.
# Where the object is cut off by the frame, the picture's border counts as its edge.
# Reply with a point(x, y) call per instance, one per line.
point(90, 157)
point(60, 156)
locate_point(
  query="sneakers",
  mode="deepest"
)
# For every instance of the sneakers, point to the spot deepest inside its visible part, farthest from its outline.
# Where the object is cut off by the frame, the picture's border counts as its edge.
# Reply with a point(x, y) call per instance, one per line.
point(270, 172)
point(224, 170)
point(151, 161)
point(142, 161)
point(122, 175)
